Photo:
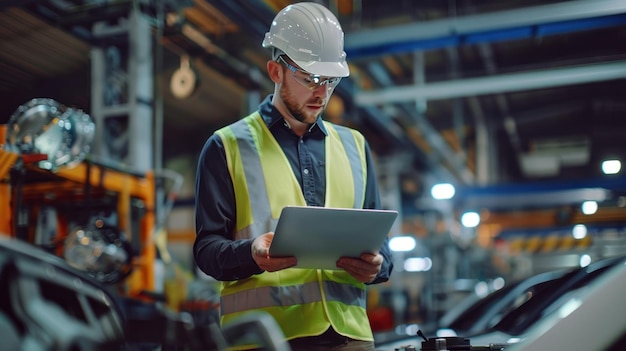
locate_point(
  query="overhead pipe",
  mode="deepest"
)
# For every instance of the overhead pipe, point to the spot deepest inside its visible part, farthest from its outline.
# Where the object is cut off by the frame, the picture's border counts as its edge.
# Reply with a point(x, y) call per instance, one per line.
point(547, 193)
point(503, 83)
point(566, 17)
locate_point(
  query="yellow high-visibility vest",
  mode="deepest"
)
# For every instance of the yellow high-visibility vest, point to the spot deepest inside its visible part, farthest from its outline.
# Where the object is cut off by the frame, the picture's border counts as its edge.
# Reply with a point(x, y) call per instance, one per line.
point(304, 302)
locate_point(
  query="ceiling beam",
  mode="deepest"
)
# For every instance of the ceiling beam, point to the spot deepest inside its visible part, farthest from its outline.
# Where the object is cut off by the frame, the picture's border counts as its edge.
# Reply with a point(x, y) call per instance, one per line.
point(539, 193)
point(526, 22)
point(502, 83)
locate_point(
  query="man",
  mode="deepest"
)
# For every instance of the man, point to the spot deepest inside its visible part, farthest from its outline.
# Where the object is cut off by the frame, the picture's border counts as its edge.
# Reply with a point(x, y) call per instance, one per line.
point(285, 154)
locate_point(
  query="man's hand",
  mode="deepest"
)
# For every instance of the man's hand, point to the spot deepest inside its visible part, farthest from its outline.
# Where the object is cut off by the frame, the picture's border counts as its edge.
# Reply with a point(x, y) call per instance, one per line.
point(261, 255)
point(364, 269)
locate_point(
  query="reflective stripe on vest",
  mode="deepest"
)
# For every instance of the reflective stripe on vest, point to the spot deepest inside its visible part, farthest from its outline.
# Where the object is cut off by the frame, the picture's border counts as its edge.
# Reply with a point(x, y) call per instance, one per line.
point(291, 295)
point(264, 183)
point(353, 147)
point(256, 189)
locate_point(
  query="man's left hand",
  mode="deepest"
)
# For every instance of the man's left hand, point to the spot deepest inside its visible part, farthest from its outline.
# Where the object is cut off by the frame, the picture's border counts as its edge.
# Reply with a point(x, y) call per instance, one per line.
point(364, 269)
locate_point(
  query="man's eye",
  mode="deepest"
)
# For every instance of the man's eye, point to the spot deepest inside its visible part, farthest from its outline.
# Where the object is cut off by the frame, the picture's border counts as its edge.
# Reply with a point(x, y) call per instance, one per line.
point(313, 80)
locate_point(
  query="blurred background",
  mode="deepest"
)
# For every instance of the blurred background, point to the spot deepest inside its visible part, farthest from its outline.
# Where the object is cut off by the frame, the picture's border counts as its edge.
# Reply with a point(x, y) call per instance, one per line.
point(497, 129)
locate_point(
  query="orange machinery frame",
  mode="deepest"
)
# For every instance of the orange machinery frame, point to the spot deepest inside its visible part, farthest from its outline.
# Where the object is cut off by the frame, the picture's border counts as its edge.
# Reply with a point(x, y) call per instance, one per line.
point(69, 184)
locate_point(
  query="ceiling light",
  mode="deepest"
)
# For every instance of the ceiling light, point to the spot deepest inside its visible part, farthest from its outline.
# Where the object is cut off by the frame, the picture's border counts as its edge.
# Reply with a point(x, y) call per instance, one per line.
point(418, 264)
point(589, 207)
point(579, 231)
point(611, 166)
point(470, 219)
point(402, 243)
point(442, 191)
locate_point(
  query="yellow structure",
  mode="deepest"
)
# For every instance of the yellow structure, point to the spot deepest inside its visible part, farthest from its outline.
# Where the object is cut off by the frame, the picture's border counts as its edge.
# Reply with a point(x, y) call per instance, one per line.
point(73, 187)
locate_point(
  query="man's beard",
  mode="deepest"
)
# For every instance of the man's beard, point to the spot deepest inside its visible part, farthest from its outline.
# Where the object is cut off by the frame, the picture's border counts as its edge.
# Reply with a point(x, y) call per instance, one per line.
point(296, 110)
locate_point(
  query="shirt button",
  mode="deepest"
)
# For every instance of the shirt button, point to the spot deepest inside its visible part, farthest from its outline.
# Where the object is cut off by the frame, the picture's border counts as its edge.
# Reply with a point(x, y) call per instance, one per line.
point(306, 171)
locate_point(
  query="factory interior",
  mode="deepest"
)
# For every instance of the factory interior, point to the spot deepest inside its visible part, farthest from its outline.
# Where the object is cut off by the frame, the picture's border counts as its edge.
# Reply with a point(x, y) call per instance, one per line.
point(497, 129)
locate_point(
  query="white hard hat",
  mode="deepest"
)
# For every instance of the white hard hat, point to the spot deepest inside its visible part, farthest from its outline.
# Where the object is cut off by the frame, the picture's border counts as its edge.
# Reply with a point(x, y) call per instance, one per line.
point(312, 38)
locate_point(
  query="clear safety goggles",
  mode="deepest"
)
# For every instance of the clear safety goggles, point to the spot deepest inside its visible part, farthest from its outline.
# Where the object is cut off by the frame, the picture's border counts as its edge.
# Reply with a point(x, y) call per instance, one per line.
point(309, 80)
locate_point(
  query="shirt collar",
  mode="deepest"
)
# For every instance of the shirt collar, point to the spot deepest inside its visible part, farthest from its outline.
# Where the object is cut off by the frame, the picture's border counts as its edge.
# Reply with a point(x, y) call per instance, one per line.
point(271, 116)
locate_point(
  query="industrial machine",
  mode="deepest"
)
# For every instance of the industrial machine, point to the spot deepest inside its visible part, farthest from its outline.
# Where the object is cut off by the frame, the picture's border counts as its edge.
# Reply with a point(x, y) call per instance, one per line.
point(78, 245)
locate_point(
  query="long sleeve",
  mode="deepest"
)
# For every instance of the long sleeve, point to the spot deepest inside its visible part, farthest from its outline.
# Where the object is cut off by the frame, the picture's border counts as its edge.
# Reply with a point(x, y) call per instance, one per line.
point(215, 252)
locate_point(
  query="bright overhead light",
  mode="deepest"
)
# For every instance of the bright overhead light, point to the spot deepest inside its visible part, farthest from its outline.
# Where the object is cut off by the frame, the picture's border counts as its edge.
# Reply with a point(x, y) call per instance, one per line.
point(611, 166)
point(442, 191)
point(470, 219)
point(589, 207)
point(402, 243)
point(418, 264)
point(579, 231)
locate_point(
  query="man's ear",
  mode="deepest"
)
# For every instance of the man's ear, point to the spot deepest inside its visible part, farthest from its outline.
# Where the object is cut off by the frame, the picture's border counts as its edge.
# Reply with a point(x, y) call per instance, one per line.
point(274, 71)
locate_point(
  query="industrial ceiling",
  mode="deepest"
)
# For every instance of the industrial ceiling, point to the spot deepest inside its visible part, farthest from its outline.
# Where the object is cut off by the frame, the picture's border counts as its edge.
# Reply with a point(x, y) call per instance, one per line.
point(511, 95)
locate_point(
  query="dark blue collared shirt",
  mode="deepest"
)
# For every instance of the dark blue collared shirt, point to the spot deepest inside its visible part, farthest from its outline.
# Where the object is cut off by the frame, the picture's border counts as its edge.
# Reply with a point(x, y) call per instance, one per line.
point(215, 251)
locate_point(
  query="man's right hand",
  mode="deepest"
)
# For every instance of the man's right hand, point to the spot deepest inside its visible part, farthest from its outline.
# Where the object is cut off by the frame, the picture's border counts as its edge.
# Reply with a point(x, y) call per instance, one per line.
point(261, 255)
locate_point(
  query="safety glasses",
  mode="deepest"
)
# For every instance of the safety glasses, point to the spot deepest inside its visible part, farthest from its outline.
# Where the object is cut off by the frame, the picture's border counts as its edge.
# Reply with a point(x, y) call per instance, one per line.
point(307, 79)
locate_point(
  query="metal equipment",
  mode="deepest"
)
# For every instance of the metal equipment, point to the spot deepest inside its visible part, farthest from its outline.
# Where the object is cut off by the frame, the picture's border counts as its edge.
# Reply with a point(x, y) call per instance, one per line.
point(44, 126)
point(48, 305)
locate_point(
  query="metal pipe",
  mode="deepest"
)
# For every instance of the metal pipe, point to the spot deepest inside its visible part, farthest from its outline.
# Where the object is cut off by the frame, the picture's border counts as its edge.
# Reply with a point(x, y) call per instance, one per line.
point(502, 83)
point(526, 22)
